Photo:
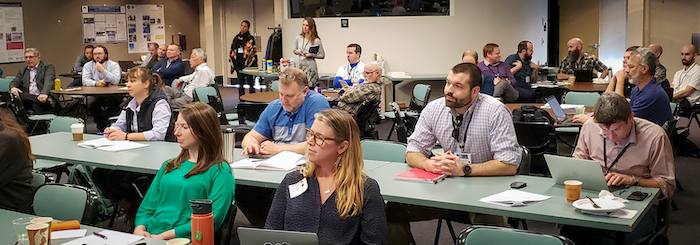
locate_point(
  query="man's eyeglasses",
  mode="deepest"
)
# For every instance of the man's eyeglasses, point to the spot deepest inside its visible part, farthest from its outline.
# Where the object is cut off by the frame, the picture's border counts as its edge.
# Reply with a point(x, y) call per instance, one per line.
point(318, 139)
point(367, 73)
point(29, 57)
point(291, 77)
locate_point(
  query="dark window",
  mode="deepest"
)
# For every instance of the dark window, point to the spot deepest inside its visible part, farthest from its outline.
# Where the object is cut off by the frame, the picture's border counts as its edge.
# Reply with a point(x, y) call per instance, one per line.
point(349, 8)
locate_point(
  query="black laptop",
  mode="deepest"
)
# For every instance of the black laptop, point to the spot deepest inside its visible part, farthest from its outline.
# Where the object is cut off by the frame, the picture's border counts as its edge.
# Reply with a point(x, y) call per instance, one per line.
point(583, 76)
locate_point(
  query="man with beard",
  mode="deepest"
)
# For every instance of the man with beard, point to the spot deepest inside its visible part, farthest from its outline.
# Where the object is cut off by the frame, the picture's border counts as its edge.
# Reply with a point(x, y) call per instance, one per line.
point(524, 71)
point(243, 55)
point(578, 60)
point(152, 57)
point(686, 82)
point(101, 72)
point(464, 121)
point(492, 66)
point(648, 98)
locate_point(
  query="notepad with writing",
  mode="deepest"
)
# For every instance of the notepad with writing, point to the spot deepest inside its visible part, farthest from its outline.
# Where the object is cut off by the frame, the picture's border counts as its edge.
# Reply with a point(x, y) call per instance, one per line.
point(420, 175)
point(110, 145)
point(284, 161)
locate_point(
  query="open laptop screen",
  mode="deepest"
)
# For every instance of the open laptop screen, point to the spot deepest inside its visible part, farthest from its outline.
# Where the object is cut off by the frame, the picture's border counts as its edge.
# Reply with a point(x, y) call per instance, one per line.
point(556, 108)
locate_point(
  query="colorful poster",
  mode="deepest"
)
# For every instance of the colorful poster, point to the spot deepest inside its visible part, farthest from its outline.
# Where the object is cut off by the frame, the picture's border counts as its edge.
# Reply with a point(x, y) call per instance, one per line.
point(11, 33)
point(145, 24)
point(104, 24)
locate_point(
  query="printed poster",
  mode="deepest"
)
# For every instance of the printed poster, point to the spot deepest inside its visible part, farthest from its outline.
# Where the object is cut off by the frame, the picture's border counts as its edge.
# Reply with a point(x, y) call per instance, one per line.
point(11, 33)
point(145, 24)
point(104, 24)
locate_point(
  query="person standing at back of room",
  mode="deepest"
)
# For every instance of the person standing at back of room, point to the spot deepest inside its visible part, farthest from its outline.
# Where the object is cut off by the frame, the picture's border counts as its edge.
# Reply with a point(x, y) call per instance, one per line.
point(306, 42)
point(243, 55)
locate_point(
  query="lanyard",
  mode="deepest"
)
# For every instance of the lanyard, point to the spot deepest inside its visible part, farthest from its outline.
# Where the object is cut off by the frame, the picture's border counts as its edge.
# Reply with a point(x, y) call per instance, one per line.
point(605, 155)
point(351, 69)
point(495, 73)
point(461, 143)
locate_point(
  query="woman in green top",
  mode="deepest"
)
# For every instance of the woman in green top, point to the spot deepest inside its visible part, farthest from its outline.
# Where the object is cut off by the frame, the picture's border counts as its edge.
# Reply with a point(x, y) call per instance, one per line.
point(199, 172)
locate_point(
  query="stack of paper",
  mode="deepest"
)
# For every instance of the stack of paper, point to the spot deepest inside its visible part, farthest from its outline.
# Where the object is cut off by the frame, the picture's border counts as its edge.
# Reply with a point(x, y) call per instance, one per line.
point(285, 161)
point(513, 198)
point(110, 238)
point(110, 145)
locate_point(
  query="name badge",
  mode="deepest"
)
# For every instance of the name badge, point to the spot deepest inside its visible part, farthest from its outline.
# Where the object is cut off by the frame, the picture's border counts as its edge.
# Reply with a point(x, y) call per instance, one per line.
point(297, 189)
point(240, 50)
point(465, 158)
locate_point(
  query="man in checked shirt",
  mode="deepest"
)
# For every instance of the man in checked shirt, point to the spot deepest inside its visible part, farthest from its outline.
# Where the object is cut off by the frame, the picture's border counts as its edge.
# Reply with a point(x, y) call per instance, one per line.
point(466, 122)
point(370, 90)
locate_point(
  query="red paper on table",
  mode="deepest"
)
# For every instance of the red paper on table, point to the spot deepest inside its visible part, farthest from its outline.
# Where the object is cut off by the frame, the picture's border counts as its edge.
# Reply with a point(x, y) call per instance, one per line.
point(420, 175)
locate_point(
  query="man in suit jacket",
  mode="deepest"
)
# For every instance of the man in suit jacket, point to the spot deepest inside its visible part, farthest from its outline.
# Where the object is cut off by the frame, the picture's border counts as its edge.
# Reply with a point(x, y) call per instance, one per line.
point(171, 68)
point(34, 83)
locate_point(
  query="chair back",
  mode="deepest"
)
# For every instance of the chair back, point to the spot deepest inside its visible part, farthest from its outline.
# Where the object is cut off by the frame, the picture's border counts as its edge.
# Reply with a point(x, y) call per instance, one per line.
point(5, 85)
point(581, 98)
point(62, 124)
point(674, 109)
point(525, 159)
point(41, 178)
point(66, 202)
point(478, 234)
point(249, 111)
point(380, 150)
point(275, 85)
point(401, 132)
point(367, 117)
point(200, 94)
point(670, 128)
point(421, 93)
point(539, 138)
point(224, 234)
point(219, 80)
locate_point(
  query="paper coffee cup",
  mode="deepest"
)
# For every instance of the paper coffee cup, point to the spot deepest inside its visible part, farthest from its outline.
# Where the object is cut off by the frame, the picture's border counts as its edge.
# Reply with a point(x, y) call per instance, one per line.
point(38, 234)
point(572, 79)
point(77, 130)
point(573, 190)
point(178, 241)
point(580, 110)
point(44, 220)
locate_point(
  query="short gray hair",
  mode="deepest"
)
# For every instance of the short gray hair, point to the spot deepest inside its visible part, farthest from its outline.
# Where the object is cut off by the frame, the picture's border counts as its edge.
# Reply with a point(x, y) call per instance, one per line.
point(34, 51)
point(200, 53)
point(646, 58)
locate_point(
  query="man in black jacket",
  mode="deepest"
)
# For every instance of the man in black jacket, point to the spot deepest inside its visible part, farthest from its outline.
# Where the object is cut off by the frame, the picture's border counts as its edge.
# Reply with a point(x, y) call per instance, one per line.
point(34, 83)
point(243, 55)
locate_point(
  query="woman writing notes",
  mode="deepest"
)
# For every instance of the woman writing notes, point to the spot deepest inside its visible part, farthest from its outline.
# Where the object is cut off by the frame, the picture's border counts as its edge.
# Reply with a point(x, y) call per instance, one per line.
point(309, 48)
point(331, 196)
point(146, 117)
point(198, 172)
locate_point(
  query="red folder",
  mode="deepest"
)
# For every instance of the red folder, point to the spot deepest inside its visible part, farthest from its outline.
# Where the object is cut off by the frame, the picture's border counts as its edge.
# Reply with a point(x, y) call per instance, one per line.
point(420, 175)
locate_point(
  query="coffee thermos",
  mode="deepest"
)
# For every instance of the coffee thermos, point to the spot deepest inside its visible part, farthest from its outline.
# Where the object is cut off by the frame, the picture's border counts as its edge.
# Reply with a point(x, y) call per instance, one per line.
point(202, 222)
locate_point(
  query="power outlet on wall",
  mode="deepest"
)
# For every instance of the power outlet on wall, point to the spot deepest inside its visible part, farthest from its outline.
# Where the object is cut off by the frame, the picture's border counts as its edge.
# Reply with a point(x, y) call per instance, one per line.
point(344, 23)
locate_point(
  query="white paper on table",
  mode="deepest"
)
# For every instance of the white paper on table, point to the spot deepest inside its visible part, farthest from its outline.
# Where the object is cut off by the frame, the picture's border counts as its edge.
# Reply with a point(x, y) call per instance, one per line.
point(513, 196)
point(620, 213)
point(113, 238)
point(567, 108)
point(285, 161)
point(68, 234)
point(105, 144)
point(398, 74)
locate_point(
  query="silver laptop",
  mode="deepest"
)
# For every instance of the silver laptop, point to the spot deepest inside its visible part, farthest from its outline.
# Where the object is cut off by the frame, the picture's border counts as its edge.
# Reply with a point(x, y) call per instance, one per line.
point(255, 236)
point(559, 112)
point(568, 168)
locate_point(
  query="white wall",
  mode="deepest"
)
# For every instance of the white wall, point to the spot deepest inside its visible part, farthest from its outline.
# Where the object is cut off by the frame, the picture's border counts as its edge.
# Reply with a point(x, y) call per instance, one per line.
point(429, 45)
point(239, 10)
point(672, 23)
point(613, 42)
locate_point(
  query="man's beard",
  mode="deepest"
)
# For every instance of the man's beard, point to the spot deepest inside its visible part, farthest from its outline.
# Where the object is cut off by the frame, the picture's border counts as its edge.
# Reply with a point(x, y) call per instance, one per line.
point(688, 62)
point(573, 56)
point(527, 58)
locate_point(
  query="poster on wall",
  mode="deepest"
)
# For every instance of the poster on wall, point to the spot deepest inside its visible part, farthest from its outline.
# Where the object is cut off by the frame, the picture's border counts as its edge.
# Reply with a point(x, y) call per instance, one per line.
point(11, 33)
point(104, 24)
point(146, 24)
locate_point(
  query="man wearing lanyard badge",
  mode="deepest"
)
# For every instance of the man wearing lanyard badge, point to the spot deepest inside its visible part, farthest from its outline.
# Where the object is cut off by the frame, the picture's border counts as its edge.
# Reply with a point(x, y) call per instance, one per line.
point(464, 122)
point(686, 82)
point(631, 151)
point(350, 73)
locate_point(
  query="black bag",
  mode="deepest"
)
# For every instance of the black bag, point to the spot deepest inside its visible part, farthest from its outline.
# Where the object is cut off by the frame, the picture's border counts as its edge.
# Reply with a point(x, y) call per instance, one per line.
point(530, 113)
point(686, 147)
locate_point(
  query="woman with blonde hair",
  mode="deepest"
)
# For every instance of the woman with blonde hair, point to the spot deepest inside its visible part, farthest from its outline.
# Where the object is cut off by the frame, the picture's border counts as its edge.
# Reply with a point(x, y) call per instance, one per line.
point(307, 39)
point(331, 196)
point(198, 172)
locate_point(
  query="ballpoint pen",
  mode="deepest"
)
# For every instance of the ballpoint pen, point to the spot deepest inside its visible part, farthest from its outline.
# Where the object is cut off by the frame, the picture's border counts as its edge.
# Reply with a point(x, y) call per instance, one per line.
point(99, 235)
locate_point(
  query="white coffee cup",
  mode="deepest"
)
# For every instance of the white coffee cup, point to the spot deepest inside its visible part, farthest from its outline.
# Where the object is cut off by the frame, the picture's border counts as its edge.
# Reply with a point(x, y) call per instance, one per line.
point(77, 130)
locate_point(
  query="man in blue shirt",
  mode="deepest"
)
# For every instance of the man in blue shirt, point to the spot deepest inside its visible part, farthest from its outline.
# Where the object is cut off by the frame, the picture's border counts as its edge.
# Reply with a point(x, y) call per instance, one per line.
point(171, 68)
point(524, 71)
point(282, 125)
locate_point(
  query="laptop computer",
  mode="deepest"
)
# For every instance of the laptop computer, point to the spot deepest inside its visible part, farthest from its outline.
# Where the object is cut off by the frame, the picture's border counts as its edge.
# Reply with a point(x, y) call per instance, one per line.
point(587, 171)
point(583, 76)
point(559, 113)
point(255, 236)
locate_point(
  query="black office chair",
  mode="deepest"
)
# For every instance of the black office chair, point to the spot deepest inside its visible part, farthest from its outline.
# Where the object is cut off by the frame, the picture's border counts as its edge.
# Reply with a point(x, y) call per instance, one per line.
point(249, 112)
point(663, 216)
point(539, 138)
point(225, 233)
point(367, 117)
point(403, 124)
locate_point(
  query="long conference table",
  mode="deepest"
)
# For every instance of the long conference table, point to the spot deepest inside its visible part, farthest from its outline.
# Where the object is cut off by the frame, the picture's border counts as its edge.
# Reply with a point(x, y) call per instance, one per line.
point(8, 236)
point(454, 193)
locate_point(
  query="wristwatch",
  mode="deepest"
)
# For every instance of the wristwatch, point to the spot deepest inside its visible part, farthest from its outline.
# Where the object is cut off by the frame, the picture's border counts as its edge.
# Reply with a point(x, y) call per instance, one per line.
point(467, 170)
point(636, 180)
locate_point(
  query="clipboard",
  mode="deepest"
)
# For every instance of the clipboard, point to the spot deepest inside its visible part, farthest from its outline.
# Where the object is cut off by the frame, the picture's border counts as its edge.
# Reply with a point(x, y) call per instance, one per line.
point(314, 49)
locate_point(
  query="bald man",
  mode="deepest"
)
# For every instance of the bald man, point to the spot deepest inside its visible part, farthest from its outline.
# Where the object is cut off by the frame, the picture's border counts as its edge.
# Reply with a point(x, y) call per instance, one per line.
point(578, 60)
point(660, 73)
point(505, 91)
point(686, 82)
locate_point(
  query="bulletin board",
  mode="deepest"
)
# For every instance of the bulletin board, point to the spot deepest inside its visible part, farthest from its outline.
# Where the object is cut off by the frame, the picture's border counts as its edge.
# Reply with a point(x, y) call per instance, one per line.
point(146, 24)
point(104, 24)
point(11, 33)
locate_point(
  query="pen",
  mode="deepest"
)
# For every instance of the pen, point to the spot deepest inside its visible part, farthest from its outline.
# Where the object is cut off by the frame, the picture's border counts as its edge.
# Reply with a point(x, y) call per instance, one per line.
point(99, 235)
point(102, 133)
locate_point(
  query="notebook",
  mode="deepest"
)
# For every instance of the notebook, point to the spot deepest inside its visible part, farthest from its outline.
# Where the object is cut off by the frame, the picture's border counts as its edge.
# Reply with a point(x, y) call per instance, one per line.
point(559, 112)
point(255, 236)
point(110, 145)
point(420, 175)
point(283, 161)
point(587, 171)
point(314, 49)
